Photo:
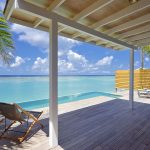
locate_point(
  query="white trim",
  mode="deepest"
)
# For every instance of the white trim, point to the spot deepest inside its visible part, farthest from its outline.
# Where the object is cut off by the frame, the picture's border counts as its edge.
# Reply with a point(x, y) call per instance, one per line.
point(122, 13)
point(91, 9)
point(131, 86)
point(53, 74)
point(129, 24)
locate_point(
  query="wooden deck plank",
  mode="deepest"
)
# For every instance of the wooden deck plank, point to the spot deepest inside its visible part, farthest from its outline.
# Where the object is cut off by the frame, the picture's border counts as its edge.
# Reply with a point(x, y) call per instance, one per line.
point(110, 125)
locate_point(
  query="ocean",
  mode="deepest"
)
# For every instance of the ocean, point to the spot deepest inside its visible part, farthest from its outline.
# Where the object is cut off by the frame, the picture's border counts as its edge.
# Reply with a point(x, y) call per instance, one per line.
point(33, 91)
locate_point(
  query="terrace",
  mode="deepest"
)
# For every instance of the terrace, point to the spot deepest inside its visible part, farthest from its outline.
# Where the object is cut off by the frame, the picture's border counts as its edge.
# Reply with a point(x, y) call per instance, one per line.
point(98, 123)
point(117, 24)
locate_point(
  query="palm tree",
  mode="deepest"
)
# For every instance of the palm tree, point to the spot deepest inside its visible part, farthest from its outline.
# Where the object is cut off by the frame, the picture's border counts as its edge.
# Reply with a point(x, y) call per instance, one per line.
point(6, 42)
point(144, 50)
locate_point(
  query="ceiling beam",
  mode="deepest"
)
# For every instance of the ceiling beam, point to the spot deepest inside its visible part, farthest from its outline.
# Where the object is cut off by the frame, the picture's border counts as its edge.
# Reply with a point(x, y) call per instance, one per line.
point(142, 41)
point(62, 28)
point(129, 24)
point(9, 9)
point(138, 37)
point(90, 39)
point(55, 4)
point(99, 4)
point(37, 22)
point(24, 23)
point(122, 13)
point(134, 32)
point(76, 34)
point(117, 47)
point(119, 15)
point(143, 44)
point(91, 9)
point(40, 12)
point(99, 42)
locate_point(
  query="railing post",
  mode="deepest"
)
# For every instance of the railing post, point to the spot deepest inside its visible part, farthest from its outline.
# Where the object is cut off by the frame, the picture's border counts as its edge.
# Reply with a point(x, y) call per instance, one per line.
point(53, 86)
point(131, 86)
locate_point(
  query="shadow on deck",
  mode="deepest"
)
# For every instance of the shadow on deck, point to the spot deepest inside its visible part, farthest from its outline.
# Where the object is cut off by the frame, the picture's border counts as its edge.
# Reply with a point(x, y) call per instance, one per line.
point(106, 126)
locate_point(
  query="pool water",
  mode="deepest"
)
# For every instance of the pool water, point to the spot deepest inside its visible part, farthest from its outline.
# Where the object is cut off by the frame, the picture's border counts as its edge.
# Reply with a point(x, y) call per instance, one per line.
point(65, 99)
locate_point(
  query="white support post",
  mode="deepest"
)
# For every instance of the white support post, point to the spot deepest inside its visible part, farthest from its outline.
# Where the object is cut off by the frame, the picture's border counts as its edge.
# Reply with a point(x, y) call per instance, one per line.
point(131, 88)
point(53, 74)
point(142, 59)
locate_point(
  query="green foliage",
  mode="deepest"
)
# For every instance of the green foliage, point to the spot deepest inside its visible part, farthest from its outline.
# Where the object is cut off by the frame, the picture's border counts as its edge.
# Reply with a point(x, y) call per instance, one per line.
point(6, 42)
point(146, 49)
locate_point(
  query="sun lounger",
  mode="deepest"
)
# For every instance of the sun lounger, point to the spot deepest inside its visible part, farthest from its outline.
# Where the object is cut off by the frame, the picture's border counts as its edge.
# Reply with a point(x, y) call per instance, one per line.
point(144, 93)
point(14, 113)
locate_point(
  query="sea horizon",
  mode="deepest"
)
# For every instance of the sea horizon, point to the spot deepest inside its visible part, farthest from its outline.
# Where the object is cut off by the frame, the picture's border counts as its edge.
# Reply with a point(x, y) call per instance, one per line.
point(48, 75)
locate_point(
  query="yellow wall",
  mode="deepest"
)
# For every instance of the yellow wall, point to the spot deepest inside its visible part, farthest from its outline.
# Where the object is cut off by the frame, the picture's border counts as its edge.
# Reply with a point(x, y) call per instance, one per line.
point(141, 79)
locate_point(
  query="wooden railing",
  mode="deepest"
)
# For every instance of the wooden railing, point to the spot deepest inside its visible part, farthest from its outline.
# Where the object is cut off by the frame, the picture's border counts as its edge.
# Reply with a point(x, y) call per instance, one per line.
point(141, 79)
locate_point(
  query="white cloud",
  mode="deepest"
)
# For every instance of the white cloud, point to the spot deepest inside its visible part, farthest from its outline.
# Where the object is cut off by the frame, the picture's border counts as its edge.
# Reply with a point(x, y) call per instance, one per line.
point(105, 61)
point(147, 59)
point(32, 36)
point(68, 61)
point(137, 63)
point(74, 63)
point(106, 72)
point(18, 61)
point(120, 66)
point(40, 65)
point(27, 59)
point(67, 43)
point(64, 66)
point(76, 58)
point(40, 39)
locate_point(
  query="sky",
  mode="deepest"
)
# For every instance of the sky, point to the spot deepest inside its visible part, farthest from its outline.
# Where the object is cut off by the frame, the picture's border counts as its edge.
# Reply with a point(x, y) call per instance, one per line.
point(74, 58)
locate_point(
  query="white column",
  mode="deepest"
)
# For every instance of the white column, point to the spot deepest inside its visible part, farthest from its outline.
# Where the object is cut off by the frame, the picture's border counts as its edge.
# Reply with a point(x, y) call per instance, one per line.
point(142, 59)
point(53, 74)
point(131, 86)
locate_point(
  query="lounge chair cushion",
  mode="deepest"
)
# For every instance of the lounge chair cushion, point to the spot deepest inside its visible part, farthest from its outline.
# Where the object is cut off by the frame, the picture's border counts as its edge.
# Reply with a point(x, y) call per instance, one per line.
point(10, 111)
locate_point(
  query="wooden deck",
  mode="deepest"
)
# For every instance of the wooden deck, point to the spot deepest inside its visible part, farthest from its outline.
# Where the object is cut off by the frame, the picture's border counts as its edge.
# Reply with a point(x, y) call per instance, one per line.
point(107, 126)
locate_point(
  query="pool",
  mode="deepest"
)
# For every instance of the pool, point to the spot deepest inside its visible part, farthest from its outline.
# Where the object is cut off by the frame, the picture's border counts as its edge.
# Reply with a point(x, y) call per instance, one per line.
point(65, 99)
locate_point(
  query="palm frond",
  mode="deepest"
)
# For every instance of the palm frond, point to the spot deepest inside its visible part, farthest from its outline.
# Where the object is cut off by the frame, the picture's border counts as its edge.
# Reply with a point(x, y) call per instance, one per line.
point(6, 41)
point(146, 49)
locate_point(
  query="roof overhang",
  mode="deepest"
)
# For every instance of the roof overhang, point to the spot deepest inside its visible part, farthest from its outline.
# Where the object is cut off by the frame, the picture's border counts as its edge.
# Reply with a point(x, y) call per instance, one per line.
point(35, 14)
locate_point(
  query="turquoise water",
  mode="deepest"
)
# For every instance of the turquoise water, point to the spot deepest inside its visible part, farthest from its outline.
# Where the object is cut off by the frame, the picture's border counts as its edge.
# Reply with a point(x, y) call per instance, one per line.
point(33, 91)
